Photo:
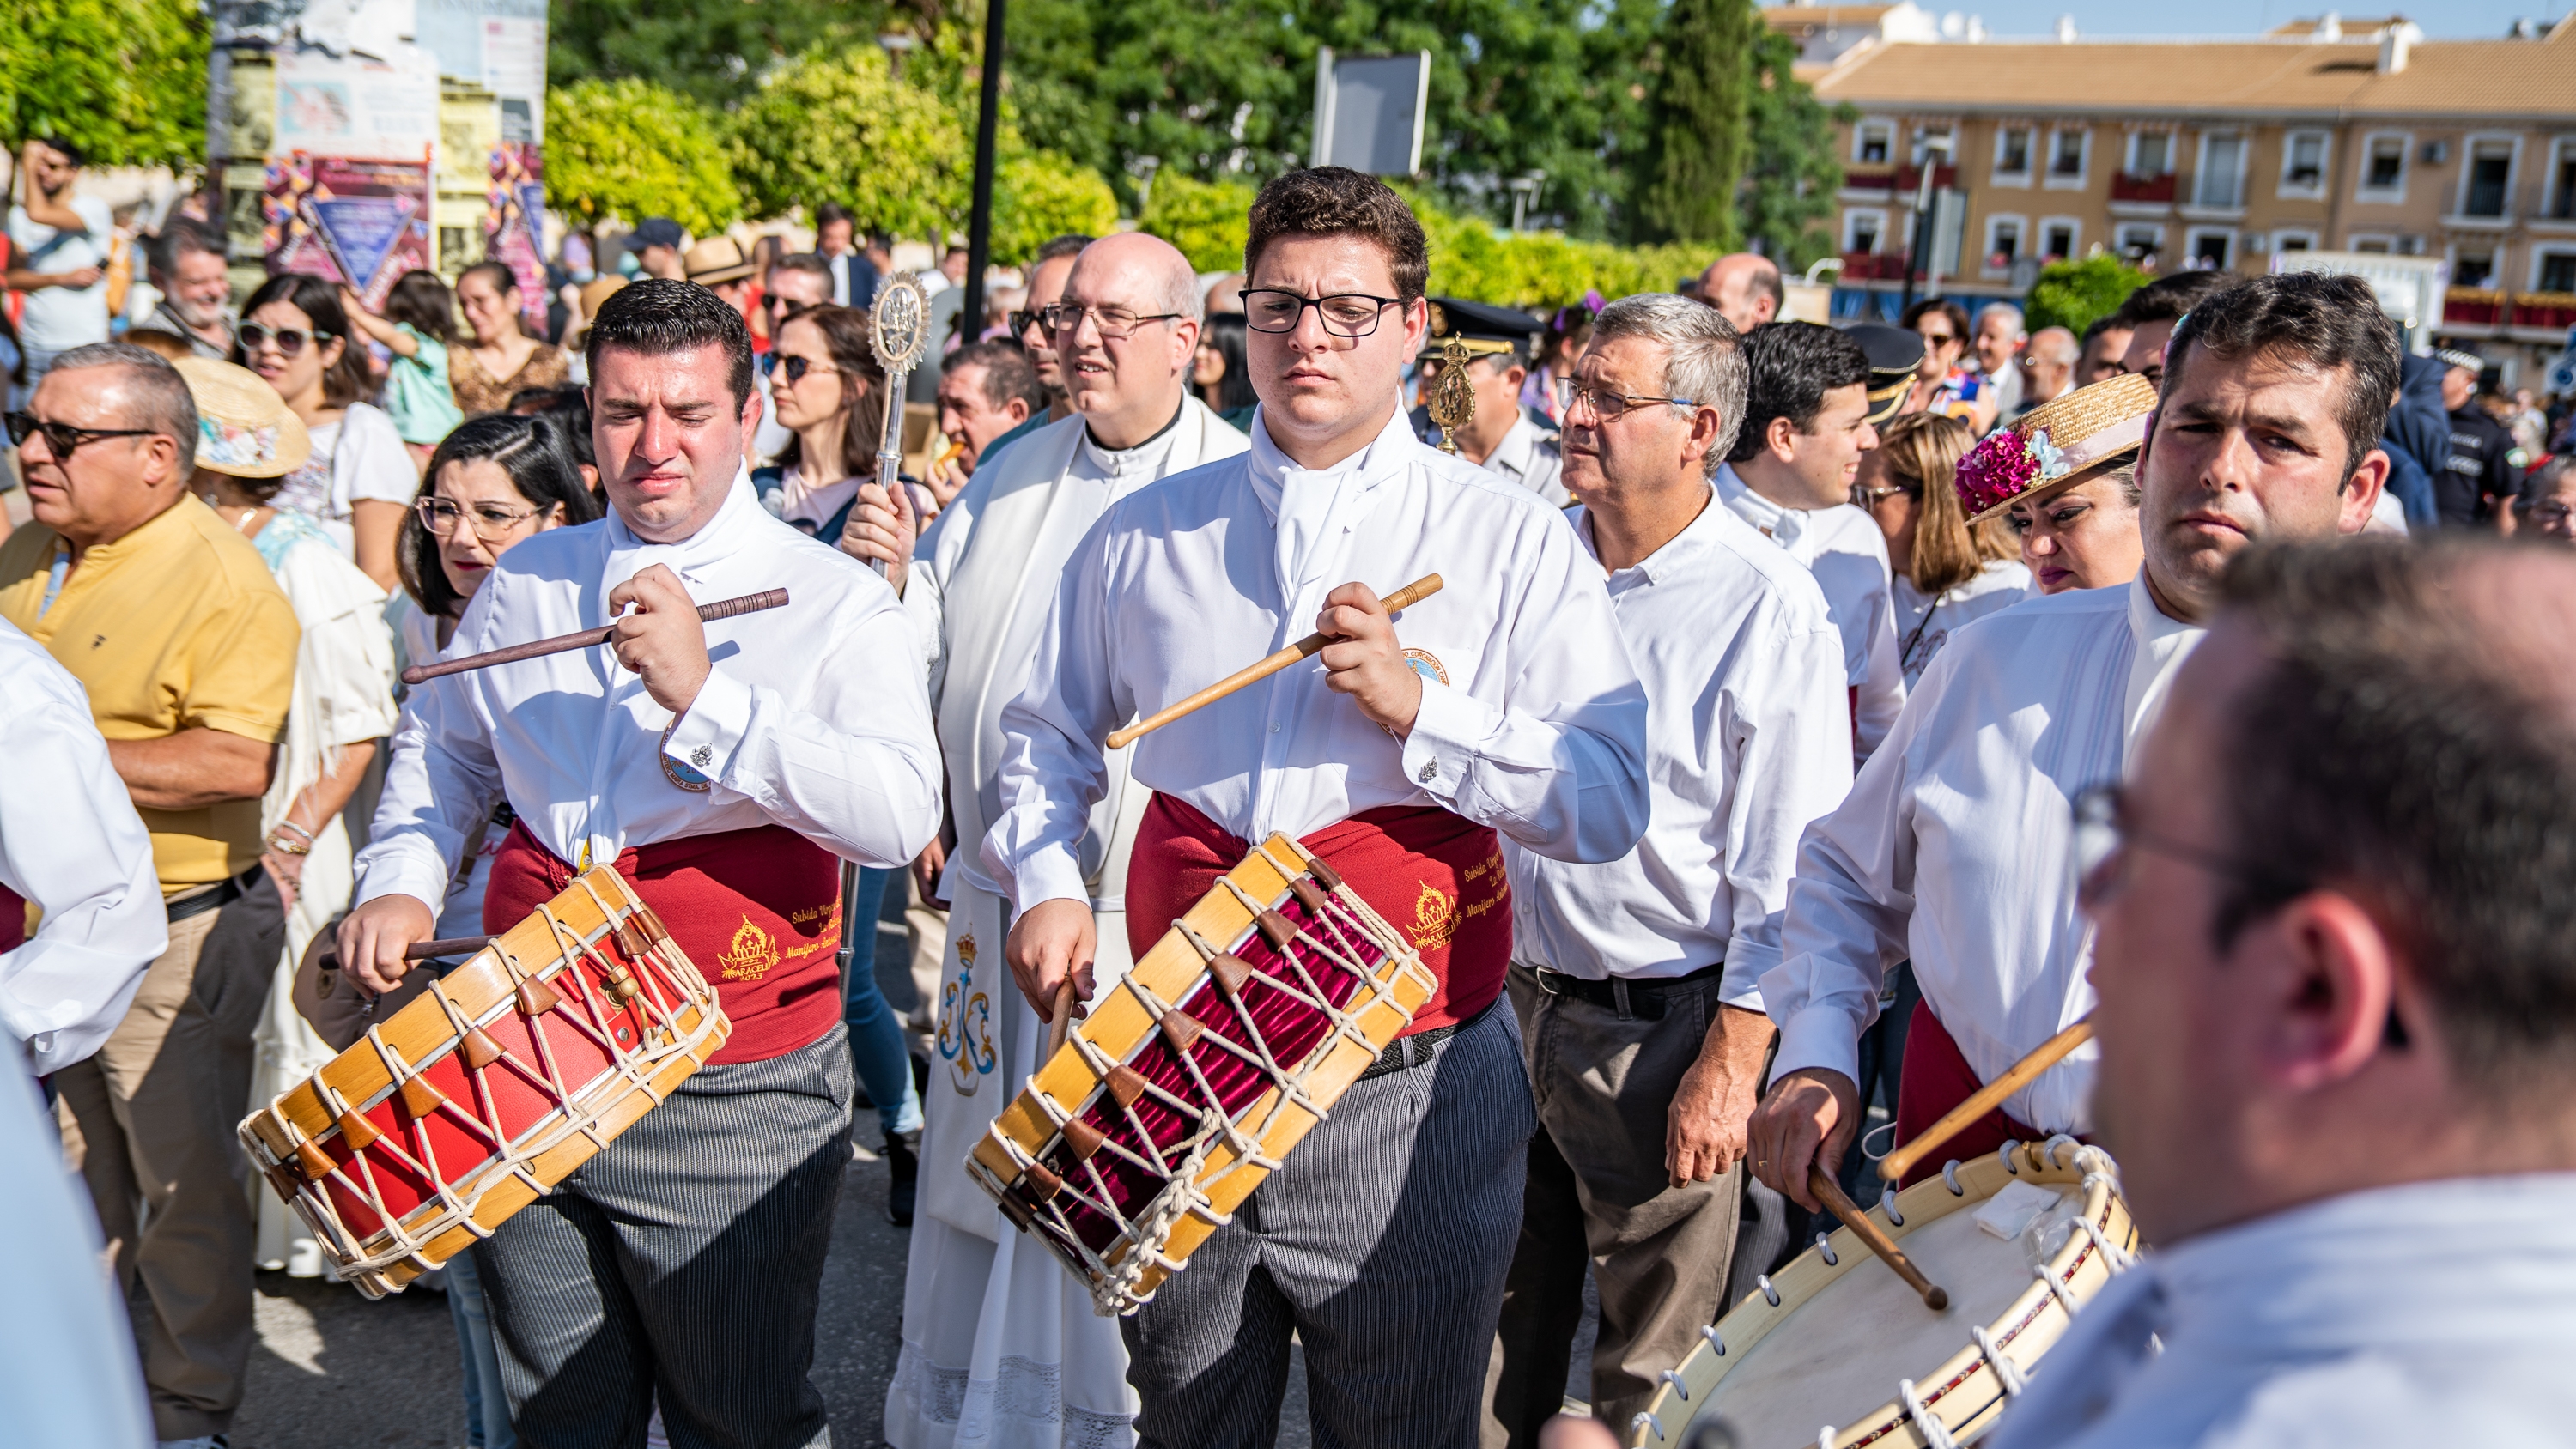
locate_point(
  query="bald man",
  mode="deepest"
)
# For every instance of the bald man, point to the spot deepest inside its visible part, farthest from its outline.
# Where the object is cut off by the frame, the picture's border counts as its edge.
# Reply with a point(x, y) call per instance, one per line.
point(1123, 327)
point(1744, 288)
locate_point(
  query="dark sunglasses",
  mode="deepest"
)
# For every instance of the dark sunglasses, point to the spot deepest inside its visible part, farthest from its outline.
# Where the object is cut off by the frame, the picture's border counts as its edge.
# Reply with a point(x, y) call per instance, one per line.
point(795, 367)
point(62, 438)
point(289, 340)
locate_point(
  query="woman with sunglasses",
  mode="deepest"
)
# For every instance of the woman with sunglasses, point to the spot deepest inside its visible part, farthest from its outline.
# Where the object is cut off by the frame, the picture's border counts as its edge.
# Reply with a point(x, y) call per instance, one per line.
point(1943, 385)
point(360, 477)
point(1947, 573)
point(502, 359)
point(248, 444)
point(830, 396)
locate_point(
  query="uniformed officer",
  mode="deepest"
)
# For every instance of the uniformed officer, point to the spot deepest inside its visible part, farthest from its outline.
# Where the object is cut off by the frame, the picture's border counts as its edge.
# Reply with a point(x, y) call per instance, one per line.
point(2483, 469)
point(1502, 437)
point(1895, 355)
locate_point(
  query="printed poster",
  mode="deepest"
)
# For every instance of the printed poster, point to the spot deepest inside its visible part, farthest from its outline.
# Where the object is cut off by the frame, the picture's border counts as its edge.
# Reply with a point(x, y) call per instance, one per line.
point(360, 222)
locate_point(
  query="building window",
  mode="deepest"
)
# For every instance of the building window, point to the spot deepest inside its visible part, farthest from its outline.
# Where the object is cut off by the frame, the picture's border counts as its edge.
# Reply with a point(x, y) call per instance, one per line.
point(2012, 154)
point(2556, 272)
point(2140, 244)
point(2473, 269)
point(2385, 168)
point(2222, 167)
point(2209, 249)
point(2303, 162)
point(2294, 241)
point(2003, 242)
point(2487, 181)
point(2066, 156)
point(2377, 246)
point(1863, 231)
point(2562, 188)
point(1873, 142)
point(2057, 238)
point(2151, 153)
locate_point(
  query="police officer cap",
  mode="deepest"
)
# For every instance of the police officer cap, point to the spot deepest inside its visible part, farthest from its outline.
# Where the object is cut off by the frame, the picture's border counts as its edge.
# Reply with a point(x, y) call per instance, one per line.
point(1894, 356)
point(1484, 328)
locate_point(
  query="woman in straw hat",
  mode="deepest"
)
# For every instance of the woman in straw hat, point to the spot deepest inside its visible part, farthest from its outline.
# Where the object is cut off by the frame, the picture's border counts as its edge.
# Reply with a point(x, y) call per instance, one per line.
point(1947, 573)
point(2074, 499)
point(248, 440)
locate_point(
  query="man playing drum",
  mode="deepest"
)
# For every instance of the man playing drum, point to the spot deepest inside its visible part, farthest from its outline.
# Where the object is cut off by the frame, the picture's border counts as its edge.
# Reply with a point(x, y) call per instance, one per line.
point(721, 768)
point(1953, 842)
point(1508, 705)
point(980, 1299)
point(1634, 980)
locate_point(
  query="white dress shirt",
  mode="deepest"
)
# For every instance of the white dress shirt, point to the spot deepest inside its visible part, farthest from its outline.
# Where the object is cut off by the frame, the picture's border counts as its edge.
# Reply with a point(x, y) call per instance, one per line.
point(1539, 731)
point(1924, 622)
point(2434, 1313)
point(1842, 546)
point(1953, 846)
point(1748, 739)
point(68, 1372)
point(813, 717)
point(71, 843)
point(1528, 456)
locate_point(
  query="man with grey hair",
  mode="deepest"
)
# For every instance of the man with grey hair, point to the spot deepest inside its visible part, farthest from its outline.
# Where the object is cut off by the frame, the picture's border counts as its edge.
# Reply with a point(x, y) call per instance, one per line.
point(1745, 289)
point(1997, 345)
point(2048, 366)
point(186, 650)
point(1124, 322)
point(1634, 980)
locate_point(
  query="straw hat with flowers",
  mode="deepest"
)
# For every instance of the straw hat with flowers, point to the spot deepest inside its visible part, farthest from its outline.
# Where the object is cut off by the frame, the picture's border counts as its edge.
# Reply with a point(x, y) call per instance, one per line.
point(243, 427)
point(2057, 445)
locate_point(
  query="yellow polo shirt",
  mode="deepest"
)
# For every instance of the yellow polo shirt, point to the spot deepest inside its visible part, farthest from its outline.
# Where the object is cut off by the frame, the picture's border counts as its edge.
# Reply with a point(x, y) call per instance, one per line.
point(178, 625)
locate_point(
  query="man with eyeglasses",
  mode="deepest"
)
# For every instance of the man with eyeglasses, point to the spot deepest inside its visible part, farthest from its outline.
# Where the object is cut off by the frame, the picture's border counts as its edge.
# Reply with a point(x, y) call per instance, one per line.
point(1809, 415)
point(1504, 703)
point(186, 649)
point(1634, 980)
point(725, 769)
point(1125, 334)
point(1952, 846)
point(1046, 287)
point(2335, 1029)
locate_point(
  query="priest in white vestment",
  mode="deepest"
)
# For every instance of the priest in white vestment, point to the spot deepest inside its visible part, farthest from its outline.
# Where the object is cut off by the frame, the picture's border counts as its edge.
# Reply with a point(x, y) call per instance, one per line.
point(1000, 1344)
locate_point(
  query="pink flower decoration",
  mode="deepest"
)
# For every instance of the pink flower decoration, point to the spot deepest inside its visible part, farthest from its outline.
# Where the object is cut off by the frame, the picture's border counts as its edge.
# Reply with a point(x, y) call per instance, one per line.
point(1996, 471)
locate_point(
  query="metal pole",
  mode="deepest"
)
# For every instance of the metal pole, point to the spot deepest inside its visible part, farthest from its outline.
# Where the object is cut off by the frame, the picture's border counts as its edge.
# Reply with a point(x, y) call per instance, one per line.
point(1918, 258)
point(979, 225)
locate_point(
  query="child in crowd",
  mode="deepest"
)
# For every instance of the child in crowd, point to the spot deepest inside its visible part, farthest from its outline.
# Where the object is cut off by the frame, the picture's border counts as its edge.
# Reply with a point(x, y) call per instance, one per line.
point(415, 328)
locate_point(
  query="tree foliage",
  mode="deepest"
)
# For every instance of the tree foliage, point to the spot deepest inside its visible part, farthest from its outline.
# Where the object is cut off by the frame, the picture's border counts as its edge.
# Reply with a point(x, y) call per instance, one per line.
point(1789, 188)
point(714, 51)
point(839, 127)
point(632, 149)
point(1208, 220)
point(1699, 127)
point(1041, 195)
point(124, 80)
point(2075, 294)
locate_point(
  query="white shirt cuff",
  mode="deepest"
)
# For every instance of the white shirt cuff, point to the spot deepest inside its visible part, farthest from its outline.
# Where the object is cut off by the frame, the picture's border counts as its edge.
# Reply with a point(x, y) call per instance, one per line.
point(1740, 985)
point(1818, 1037)
point(709, 737)
point(416, 873)
point(1447, 728)
point(1052, 874)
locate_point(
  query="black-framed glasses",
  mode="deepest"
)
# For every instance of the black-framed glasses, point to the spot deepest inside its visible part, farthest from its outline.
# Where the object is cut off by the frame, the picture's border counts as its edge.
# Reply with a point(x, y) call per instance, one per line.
point(2104, 839)
point(289, 340)
point(490, 521)
point(1608, 407)
point(62, 438)
point(1344, 314)
point(1117, 324)
point(797, 367)
point(1021, 320)
point(2551, 512)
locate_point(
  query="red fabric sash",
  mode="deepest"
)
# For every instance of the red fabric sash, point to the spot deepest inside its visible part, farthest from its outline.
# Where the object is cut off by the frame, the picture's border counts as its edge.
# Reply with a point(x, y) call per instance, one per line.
point(1434, 876)
point(758, 911)
point(13, 919)
point(1936, 1078)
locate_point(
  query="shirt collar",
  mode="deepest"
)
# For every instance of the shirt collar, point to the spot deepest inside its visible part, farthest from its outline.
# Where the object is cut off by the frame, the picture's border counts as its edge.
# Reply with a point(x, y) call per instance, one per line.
point(1696, 537)
point(721, 535)
point(1786, 527)
point(1305, 503)
point(1144, 457)
point(1513, 451)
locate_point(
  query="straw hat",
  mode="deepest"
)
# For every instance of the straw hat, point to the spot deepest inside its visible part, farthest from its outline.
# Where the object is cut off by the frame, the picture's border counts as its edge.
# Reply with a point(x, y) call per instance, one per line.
point(2057, 445)
point(243, 427)
point(599, 290)
point(716, 259)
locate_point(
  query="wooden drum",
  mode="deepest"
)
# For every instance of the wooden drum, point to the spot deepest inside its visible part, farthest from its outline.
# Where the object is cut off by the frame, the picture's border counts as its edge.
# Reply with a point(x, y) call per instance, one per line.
point(1233, 1036)
point(485, 1090)
point(1838, 1352)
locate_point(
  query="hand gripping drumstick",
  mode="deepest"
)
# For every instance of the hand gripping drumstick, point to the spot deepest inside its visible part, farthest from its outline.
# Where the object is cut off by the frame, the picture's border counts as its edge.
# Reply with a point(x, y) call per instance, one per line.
point(1061, 1020)
point(1306, 648)
point(1896, 1164)
point(432, 950)
point(1830, 1193)
point(563, 643)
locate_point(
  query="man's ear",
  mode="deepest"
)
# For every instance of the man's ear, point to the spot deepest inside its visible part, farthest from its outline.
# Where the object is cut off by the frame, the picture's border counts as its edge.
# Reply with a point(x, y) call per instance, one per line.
point(1780, 438)
point(750, 416)
point(2361, 491)
point(1017, 409)
point(2327, 976)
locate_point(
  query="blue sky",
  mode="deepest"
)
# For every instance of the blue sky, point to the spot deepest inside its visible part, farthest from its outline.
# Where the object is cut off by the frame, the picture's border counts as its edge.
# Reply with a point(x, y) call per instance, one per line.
point(2450, 19)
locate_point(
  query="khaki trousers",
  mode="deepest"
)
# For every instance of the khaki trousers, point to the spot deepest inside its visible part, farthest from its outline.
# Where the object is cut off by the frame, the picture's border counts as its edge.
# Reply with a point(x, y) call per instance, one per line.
point(1598, 1189)
point(149, 1123)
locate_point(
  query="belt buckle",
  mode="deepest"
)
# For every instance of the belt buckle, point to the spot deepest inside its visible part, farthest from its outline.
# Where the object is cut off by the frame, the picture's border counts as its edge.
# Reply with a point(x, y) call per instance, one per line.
point(1547, 980)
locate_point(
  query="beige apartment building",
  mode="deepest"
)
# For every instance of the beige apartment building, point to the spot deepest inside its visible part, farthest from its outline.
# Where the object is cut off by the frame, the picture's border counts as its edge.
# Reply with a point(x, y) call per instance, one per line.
point(2328, 135)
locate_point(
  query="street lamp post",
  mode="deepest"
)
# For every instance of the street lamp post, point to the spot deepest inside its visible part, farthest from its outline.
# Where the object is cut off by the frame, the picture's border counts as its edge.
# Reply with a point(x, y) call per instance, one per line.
point(979, 224)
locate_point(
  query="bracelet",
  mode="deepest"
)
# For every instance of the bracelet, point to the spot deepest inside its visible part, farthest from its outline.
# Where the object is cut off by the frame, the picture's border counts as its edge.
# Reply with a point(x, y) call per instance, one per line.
point(289, 824)
point(287, 847)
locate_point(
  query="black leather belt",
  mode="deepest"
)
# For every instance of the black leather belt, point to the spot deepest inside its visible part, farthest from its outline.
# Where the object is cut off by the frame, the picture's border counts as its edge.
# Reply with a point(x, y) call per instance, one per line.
point(1414, 1050)
point(213, 898)
point(1644, 997)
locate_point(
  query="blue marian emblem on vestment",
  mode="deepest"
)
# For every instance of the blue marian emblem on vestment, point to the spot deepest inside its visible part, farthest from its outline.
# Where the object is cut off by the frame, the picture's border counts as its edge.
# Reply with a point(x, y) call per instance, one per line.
point(966, 1024)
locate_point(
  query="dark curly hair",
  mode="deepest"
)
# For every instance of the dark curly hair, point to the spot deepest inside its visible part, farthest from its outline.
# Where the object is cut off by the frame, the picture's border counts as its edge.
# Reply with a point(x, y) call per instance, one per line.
point(658, 316)
point(1337, 201)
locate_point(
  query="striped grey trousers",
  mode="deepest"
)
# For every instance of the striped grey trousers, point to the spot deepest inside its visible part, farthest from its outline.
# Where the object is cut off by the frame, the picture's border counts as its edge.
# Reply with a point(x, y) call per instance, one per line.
point(684, 1262)
point(1381, 1242)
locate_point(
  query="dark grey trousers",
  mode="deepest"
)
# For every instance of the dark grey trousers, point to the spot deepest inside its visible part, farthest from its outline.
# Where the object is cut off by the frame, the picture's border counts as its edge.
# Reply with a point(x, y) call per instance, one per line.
point(1381, 1242)
point(683, 1263)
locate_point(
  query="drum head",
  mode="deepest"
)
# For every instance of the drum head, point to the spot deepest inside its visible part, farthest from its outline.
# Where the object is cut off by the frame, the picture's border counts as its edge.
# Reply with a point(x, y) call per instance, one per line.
point(1837, 1358)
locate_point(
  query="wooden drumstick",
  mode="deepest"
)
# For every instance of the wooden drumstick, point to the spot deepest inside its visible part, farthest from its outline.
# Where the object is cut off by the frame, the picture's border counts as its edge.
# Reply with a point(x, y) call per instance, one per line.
point(432, 950)
point(1061, 1020)
point(587, 638)
point(1830, 1193)
point(1306, 648)
point(1898, 1163)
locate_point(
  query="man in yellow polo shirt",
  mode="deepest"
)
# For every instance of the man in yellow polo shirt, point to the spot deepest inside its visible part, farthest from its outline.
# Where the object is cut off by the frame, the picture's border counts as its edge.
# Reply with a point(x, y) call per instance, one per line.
point(172, 623)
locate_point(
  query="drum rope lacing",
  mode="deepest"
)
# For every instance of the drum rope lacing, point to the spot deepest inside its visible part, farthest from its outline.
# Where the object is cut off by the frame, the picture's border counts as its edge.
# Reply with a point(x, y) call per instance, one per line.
point(1325, 936)
point(509, 1158)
